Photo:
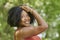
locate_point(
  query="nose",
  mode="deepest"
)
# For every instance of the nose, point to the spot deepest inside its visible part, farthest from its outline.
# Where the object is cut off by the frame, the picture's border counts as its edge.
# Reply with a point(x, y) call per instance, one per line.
point(27, 18)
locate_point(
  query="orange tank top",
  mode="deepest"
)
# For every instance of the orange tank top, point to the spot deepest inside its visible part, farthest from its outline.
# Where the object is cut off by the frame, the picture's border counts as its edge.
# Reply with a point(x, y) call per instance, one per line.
point(33, 38)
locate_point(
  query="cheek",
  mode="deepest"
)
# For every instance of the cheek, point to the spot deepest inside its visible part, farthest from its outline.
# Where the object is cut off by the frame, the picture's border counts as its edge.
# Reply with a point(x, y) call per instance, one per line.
point(29, 18)
point(22, 19)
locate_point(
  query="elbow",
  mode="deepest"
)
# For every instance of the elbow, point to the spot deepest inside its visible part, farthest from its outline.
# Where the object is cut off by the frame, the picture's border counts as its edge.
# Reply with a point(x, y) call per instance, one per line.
point(46, 26)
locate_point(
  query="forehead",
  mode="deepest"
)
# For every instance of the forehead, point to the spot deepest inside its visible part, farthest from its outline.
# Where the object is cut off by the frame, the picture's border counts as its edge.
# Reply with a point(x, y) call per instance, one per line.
point(24, 13)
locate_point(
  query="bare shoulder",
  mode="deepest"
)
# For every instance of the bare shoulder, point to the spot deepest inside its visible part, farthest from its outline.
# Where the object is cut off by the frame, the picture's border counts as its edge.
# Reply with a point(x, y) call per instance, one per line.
point(29, 31)
point(17, 33)
point(25, 32)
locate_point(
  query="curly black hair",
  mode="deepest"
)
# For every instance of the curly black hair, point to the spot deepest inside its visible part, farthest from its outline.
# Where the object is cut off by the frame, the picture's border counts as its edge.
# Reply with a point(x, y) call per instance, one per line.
point(14, 16)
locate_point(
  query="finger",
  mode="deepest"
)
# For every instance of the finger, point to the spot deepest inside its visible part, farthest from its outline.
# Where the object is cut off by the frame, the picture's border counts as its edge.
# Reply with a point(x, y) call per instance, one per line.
point(24, 8)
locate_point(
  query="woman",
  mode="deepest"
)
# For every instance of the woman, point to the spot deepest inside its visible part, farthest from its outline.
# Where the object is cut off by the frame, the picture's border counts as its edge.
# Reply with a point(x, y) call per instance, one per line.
point(22, 17)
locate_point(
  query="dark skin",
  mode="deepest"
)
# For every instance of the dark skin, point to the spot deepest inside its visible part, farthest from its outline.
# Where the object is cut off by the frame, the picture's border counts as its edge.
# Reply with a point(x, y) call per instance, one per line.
point(26, 29)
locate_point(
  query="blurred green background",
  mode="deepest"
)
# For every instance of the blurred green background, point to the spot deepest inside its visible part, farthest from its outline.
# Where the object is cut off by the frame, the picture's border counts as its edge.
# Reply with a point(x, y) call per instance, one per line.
point(48, 9)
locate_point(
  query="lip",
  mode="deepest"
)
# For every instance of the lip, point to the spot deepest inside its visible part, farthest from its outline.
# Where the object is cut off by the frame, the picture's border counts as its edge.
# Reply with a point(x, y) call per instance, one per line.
point(27, 22)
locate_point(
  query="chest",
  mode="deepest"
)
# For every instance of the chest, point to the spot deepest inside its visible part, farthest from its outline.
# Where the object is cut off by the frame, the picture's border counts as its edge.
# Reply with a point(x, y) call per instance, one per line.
point(33, 38)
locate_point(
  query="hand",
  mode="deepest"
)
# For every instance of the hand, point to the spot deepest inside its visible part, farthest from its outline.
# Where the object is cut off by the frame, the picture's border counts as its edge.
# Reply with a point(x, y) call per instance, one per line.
point(26, 8)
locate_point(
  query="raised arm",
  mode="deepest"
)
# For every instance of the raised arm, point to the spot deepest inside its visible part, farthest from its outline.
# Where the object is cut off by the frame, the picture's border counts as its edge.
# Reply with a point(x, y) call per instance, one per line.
point(30, 31)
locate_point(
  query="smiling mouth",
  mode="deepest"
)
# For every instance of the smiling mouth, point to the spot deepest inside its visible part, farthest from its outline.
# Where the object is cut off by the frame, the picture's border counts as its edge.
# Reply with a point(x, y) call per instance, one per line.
point(27, 22)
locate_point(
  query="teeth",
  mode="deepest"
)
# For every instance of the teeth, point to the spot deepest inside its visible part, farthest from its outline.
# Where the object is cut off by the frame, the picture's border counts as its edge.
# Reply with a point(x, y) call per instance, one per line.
point(27, 22)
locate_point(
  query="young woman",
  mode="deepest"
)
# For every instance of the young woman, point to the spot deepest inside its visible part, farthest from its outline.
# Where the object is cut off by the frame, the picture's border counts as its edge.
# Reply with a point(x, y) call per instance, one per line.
point(22, 17)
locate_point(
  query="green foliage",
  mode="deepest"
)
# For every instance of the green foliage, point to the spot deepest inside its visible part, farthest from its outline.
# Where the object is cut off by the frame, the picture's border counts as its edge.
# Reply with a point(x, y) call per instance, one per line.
point(48, 9)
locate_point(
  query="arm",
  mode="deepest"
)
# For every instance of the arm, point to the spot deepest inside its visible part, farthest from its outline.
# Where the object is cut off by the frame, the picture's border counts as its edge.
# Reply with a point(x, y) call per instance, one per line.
point(30, 31)
point(40, 20)
point(42, 25)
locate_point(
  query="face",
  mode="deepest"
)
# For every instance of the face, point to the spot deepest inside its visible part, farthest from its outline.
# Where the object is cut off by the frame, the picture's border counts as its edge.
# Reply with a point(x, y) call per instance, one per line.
point(25, 19)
